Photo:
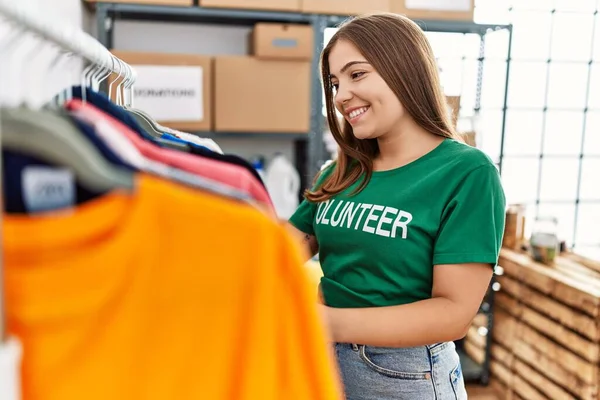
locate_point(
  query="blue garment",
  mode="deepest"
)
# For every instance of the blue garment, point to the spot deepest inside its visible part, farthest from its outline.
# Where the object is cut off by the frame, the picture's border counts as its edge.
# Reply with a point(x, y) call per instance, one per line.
point(101, 101)
point(416, 373)
point(14, 164)
point(88, 131)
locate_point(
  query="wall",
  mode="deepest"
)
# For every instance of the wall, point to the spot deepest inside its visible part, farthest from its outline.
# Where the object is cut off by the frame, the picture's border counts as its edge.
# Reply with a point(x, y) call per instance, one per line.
point(28, 76)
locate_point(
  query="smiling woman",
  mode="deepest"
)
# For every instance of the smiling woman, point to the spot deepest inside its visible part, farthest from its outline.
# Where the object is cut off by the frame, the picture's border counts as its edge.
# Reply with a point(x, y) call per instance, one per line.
point(363, 82)
point(408, 221)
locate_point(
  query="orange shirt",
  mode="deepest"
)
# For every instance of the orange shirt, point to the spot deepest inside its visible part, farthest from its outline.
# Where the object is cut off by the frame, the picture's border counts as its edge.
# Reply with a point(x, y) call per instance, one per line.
point(169, 293)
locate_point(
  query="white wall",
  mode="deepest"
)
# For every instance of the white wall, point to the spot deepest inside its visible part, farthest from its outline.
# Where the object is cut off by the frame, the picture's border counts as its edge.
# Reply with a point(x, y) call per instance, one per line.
point(28, 74)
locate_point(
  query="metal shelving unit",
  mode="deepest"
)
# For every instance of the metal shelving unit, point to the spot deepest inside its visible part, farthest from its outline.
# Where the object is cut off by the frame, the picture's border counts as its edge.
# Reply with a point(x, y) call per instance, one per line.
point(310, 150)
point(303, 137)
point(309, 154)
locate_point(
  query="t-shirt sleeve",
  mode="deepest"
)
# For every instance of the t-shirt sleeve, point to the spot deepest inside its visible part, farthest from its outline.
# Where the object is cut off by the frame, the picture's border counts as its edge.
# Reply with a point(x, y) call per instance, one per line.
point(473, 220)
point(304, 215)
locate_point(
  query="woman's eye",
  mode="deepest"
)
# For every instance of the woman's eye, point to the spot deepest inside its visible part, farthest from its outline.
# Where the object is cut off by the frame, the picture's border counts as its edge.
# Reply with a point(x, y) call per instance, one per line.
point(335, 86)
point(356, 75)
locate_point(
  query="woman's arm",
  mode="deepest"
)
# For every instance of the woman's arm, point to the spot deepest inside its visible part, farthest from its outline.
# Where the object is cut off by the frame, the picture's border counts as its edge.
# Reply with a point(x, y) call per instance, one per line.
point(458, 290)
point(308, 241)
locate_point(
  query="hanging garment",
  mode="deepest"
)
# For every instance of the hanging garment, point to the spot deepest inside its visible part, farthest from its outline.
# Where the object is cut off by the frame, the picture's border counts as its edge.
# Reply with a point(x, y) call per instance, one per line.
point(30, 185)
point(141, 297)
point(283, 185)
point(193, 139)
point(230, 159)
point(121, 148)
point(228, 174)
point(103, 103)
point(172, 138)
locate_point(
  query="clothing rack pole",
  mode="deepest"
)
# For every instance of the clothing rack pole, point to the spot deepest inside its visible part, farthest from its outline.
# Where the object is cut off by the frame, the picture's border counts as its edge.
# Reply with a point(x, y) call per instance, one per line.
point(2, 312)
point(69, 38)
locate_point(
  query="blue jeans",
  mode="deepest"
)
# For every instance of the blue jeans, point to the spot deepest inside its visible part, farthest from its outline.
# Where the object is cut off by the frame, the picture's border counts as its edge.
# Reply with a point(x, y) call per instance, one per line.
point(417, 373)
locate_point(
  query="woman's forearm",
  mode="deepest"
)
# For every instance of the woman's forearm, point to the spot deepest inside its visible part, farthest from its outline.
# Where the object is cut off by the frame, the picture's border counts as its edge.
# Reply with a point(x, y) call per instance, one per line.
point(424, 322)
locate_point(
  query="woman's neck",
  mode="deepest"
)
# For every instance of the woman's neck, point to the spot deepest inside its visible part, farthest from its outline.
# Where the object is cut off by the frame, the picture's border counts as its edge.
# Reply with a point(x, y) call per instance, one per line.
point(403, 146)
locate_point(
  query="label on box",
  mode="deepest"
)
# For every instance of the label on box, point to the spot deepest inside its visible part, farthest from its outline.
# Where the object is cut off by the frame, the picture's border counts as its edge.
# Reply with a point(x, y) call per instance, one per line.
point(287, 43)
point(170, 92)
point(438, 5)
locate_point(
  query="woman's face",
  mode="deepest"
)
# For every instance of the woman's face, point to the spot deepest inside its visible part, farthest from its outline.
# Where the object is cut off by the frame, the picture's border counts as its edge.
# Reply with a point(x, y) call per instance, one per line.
point(360, 93)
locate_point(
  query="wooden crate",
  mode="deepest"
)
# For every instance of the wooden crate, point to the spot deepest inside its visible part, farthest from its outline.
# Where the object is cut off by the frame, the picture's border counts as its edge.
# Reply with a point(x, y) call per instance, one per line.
point(546, 337)
point(475, 341)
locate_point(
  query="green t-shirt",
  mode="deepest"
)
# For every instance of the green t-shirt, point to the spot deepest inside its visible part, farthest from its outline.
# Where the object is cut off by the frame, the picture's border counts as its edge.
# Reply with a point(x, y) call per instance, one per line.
point(379, 247)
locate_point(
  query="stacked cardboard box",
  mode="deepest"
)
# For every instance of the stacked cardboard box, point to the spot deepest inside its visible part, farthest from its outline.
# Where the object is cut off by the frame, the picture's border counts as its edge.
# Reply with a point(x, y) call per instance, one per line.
point(266, 91)
point(458, 10)
point(345, 7)
point(461, 10)
point(254, 95)
point(546, 337)
point(269, 90)
point(271, 5)
point(180, 3)
point(418, 9)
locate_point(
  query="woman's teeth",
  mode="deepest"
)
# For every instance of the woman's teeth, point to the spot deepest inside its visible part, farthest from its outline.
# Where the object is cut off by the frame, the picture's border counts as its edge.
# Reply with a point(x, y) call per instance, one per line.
point(358, 112)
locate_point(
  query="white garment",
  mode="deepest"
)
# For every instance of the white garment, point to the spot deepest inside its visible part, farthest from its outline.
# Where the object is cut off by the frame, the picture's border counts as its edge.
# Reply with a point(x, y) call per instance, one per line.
point(283, 184)
point(11, 353)
point(326, 164)
point(188, 137)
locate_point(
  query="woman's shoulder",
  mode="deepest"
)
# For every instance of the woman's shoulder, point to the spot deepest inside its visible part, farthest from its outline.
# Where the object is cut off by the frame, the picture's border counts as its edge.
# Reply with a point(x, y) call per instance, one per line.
point(468, 158)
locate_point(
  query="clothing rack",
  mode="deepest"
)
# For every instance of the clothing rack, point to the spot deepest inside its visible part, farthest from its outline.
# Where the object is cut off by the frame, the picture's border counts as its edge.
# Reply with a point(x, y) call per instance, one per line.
point(70, 39)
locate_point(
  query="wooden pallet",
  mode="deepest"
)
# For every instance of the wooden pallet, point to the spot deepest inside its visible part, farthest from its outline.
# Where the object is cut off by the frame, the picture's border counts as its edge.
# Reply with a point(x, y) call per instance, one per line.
point(546, 337)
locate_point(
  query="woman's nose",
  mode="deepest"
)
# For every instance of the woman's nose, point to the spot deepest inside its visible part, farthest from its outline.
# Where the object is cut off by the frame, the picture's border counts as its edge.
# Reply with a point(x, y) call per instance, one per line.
point(343, 95)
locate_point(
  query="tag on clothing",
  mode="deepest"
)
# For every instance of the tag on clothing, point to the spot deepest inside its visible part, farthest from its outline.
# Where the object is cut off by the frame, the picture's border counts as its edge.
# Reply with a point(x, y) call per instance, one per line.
point(48, 188)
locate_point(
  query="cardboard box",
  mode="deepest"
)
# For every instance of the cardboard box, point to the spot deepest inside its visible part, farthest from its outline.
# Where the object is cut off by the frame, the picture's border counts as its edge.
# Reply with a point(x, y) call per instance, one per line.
point(345, 7)
point(254, 95)
point(183, 3)
point(458, 10)
point(271, 5)
point(174, 89)
point(282, 41)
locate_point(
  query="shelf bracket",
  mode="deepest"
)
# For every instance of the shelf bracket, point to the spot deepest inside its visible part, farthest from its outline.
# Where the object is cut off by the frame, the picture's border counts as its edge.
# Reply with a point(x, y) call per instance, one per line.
point(316, 146)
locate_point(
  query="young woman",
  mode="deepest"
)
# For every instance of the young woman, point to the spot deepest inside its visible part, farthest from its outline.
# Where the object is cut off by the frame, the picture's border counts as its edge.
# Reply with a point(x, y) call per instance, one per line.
point(408, 221)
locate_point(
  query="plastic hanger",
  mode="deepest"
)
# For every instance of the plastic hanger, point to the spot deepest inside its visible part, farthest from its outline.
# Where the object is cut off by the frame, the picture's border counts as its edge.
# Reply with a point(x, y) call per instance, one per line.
point(168, 172)
point(143, 119)
point(124, 97)
point(141, 116)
